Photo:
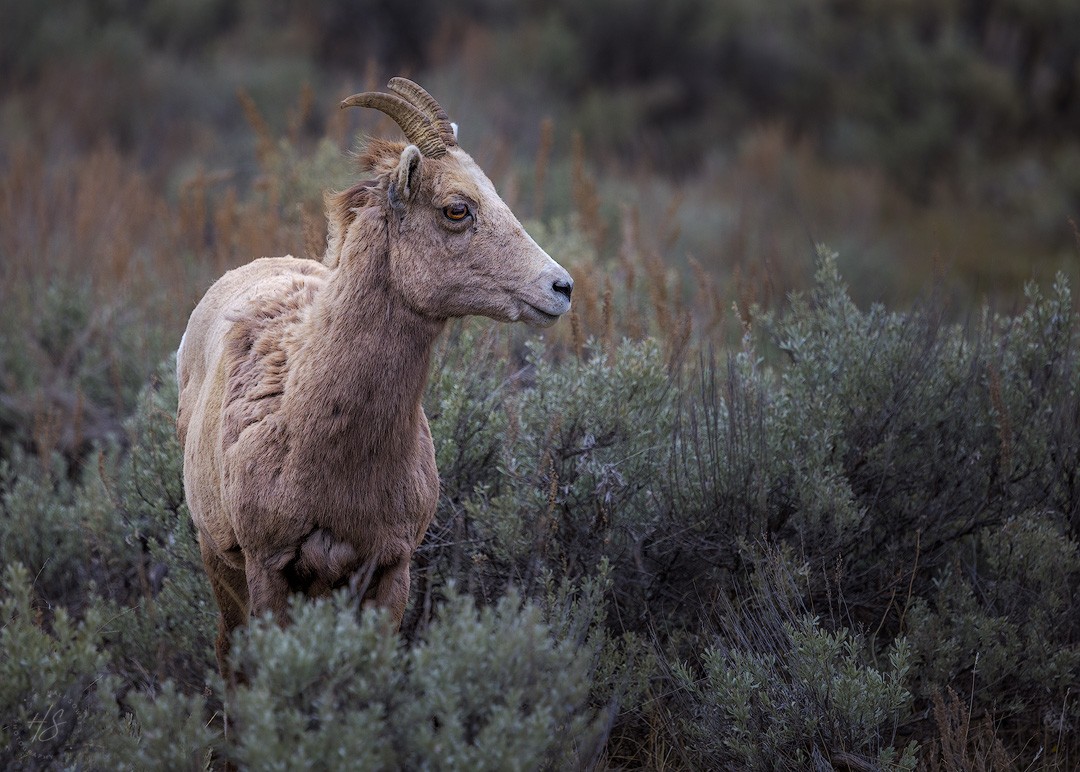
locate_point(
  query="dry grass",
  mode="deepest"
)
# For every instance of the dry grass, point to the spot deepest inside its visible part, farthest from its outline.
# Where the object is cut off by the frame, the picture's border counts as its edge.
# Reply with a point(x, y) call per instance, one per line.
point(964, 744)
point(685, 263)
point(100, 270)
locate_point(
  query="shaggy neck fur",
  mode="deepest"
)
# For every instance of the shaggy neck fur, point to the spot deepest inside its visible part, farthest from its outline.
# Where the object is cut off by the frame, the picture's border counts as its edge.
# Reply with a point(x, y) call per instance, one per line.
point(361, 372)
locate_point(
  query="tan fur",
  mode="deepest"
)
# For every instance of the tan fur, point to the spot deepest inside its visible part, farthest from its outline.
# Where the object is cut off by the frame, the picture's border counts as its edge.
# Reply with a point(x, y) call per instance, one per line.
point(308, 462)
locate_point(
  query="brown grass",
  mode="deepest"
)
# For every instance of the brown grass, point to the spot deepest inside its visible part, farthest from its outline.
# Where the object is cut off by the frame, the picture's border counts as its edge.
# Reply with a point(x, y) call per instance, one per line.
point(101, 221)
point(964, 744)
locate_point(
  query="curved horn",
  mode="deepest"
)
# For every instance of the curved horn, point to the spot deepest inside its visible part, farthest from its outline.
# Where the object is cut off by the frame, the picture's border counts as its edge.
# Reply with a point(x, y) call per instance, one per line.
point(419, 96)
point(418, 128)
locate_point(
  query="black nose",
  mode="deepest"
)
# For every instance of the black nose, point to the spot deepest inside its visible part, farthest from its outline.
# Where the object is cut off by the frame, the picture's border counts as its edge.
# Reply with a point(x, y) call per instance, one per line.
point(564, 287)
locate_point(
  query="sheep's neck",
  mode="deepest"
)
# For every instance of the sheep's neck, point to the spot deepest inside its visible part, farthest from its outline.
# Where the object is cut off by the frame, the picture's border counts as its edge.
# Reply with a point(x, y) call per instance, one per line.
point(365, 368)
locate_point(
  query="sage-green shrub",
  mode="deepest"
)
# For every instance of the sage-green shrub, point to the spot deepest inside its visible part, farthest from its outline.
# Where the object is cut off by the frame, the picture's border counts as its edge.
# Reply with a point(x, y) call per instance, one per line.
point(120, 538)
point(604, 515)
point(40, 517)
point(560, 464)
point(1002, 626)
point(776, 688)
point(165, 729)
point(583, 447)
point(55, 690)
point(806, 700)
point(165, 614)
point(71, 368)
point(484, 688)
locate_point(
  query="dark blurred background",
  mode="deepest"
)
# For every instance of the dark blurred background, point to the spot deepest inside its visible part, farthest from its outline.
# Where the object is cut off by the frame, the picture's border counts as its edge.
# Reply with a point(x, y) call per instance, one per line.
point(920, 138)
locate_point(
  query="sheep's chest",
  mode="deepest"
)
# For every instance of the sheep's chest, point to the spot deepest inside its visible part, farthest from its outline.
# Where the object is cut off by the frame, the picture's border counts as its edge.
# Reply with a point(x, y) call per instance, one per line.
point(378, 499)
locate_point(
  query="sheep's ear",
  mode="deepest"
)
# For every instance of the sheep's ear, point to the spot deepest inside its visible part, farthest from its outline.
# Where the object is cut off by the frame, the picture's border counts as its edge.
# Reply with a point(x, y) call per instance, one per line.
point(405, 183)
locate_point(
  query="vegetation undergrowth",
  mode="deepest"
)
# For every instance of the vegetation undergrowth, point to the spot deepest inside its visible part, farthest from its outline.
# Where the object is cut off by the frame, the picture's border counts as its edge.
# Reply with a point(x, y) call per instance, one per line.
point(853, 541)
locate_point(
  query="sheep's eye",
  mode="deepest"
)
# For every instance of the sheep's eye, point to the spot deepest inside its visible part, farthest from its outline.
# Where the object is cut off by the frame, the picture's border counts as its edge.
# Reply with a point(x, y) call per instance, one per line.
point(456, 212)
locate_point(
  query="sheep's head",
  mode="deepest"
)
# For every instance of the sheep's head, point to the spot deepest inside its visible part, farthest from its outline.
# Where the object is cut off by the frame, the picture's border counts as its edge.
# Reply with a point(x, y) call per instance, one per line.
point(456, 249)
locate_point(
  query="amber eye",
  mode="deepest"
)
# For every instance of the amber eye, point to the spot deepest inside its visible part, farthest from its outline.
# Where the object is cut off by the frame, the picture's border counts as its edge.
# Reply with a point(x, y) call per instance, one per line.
point(456, 212)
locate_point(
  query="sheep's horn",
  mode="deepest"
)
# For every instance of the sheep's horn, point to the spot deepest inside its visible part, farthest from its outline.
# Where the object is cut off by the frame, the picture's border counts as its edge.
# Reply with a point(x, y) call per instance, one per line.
point(419, 96)
point(418, 128)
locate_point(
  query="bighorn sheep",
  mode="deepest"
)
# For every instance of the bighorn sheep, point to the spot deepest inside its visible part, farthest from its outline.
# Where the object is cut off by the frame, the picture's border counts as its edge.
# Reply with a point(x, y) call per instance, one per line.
point(308, 462)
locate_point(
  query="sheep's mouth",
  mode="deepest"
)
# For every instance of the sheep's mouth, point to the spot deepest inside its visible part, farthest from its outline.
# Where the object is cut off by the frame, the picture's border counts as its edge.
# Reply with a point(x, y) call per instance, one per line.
point(538, 317)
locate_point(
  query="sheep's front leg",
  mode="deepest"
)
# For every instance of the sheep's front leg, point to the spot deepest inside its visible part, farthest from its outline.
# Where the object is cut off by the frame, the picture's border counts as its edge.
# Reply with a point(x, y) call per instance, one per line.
point(230, 589)
point(392, 590)
point(268, 588)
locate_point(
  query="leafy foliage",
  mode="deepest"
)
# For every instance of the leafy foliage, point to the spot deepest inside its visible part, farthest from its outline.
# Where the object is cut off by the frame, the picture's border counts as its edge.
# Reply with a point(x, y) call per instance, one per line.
point(483, 689)
point(778, 690)
point(814, 700)
point(845, 544)
point(1000, 626)
point(51, 697)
